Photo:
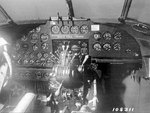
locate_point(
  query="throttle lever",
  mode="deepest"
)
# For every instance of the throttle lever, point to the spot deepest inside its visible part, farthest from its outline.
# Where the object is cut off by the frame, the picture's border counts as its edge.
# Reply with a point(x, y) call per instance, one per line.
point(80, 68)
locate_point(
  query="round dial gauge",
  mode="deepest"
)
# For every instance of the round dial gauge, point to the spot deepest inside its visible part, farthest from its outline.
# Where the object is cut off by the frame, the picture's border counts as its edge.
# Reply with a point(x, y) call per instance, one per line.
point(75, 48)
point(74, 29)
point(55, 29)
point(34, 38)
point(107, 36)
point(44, 37)
point(84, 29)
point(107, 47)
point(117, 47)
point(17, 46)
point(65, 29)
point(97, 47)
point(117, 36)
point(38, 29)
point(97, 36)
point(35, 47)
point(25, 46)
point(24, 38)
point(44, 46)
point(45, 55)
point(39, 55)
point(31, 55)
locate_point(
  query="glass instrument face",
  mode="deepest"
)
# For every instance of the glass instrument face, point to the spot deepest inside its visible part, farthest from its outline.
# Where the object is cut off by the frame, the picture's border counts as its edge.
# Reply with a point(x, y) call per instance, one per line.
point(84, 29)
point(55, 29)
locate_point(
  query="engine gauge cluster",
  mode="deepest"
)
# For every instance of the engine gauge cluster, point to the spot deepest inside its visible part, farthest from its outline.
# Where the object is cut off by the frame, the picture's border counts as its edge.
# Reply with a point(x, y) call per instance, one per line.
point(113, 43)
point(70, 29)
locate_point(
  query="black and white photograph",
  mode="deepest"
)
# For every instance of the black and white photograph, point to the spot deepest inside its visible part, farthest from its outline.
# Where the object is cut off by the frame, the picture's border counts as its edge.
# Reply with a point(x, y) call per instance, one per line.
point(74, 56)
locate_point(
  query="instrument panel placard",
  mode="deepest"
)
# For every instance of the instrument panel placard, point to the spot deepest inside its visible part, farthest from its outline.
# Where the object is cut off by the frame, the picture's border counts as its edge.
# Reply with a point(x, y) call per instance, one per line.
point(95, 27)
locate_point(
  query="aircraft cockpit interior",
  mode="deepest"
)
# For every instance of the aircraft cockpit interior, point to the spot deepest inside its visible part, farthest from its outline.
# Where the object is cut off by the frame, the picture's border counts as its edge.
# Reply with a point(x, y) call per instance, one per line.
point(74, 56)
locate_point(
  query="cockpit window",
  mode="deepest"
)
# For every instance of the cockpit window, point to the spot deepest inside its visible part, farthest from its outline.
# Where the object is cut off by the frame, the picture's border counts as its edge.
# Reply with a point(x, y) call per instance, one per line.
point(140, 10)
point(24, 10)
point(110, 9)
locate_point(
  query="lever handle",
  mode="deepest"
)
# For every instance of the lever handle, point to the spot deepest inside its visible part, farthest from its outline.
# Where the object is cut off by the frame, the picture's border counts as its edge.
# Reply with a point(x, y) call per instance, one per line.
point(80, 68)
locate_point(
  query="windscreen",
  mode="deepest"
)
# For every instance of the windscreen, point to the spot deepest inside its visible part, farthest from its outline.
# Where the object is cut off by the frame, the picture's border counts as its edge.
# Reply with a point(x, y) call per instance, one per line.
point(24, 10)
point(109, 9)
point(140, 10)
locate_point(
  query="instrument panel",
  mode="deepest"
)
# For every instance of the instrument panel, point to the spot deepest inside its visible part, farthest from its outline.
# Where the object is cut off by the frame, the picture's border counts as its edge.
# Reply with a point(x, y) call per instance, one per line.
point(37, 52)
point(113, 43)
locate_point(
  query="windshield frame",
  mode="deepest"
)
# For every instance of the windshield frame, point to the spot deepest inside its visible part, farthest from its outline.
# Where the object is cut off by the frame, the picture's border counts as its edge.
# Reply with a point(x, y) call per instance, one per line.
point(6, 16)
point(125, 14)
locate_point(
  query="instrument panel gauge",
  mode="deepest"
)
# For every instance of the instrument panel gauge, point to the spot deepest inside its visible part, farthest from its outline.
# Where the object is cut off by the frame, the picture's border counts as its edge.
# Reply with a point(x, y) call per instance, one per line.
point(39, 55)
point(107, 36)
point(117, 36)
point(84, 29)
point(31, 61)
point(35, 47)
point(97, 46)
point(107, 47)
point(97, 36)
point(74, 29)
point(55, 29)
point(75, 48)
point(44, 46)
point(31, 55)
point(45, 55)
point(117, 47)
point(34, 38)
point(65, 29)
point(38, 29)
point(44, 37)
point(25, 61)
point(17, 46)
point(25, 46)
point(24, 38)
